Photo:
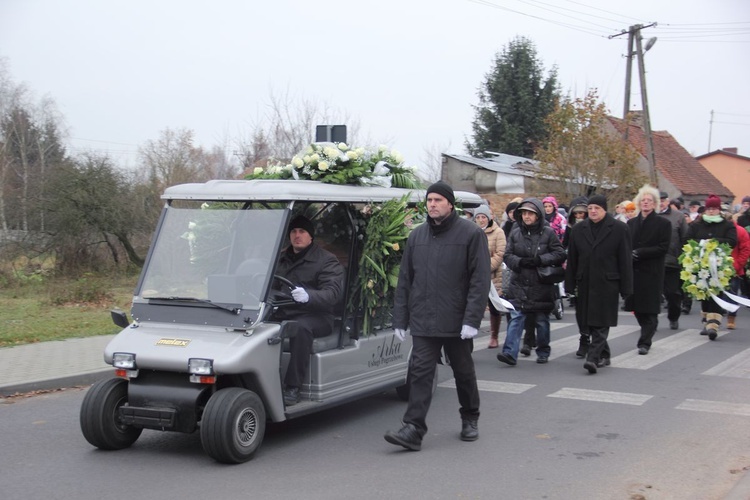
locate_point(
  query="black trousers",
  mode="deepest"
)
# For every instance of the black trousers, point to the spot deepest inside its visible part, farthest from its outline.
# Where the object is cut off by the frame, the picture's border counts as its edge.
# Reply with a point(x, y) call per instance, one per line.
point(424, 359)
point(673, 292)
point(599, 347)
point(648, 323)
point(300, 347)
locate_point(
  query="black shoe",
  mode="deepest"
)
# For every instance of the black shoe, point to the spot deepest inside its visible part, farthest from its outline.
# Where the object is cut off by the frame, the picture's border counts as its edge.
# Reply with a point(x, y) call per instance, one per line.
point(685, 310)
point(526, 350)
point(712, 334)
point(506, 358)
point(582, 351)
point(542, 359)
point(291, 396)
point(408, 437)
point(603, 362)
point(674, 325)
point(469, 430)
point(643, 350)
point(590, 366)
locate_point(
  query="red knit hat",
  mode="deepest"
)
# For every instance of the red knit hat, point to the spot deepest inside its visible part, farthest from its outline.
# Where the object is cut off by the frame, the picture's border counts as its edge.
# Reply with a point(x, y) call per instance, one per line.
point(713, 201)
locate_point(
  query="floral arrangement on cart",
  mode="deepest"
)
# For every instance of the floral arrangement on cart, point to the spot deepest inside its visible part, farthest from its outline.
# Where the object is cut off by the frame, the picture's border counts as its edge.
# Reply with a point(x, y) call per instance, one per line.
point(387, 225)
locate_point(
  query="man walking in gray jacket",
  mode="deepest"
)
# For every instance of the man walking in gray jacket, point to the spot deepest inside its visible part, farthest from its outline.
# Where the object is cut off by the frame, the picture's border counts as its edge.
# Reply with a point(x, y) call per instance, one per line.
point(440, 298)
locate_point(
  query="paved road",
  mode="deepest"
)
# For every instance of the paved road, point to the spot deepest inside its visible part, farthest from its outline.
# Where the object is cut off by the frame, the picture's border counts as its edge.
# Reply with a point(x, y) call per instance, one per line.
point(671, 424)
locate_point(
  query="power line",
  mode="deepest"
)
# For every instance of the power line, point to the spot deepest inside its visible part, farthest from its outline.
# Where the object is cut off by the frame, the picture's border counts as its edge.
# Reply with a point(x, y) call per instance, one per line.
point(565, 25)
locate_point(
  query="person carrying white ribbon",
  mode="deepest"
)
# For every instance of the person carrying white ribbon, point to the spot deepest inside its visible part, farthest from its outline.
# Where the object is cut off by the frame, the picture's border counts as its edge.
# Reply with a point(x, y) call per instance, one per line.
point(711, 225)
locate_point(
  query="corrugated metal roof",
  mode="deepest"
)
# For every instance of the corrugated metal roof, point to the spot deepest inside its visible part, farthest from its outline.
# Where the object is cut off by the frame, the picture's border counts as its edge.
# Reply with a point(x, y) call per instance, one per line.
point(502, 163)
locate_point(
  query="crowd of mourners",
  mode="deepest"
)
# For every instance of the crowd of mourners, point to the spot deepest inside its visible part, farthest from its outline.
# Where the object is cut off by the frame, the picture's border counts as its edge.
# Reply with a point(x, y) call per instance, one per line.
point(605, 261)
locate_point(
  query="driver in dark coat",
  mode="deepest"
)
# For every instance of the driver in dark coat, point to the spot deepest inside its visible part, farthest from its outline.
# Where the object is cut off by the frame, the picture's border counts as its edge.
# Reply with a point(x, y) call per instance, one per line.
point(319, 279)
point(599, 268)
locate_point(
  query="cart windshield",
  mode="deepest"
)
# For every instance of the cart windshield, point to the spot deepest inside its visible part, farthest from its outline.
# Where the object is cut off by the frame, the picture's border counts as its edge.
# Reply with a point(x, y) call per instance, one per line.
point(220, 253)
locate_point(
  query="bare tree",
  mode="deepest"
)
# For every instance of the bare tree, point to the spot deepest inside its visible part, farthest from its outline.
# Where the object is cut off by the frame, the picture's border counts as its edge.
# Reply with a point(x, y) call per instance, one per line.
point(581, 149)
point(432, 162)
point(288, 127)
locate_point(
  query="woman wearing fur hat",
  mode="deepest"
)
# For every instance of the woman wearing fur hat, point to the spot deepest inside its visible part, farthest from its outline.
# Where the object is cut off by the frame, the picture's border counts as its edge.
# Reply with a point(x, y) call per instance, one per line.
point(711, 225)
point(496, 244)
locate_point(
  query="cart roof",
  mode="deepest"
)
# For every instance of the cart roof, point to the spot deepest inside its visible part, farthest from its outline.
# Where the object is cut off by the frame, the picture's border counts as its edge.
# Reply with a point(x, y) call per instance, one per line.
point(291, 190)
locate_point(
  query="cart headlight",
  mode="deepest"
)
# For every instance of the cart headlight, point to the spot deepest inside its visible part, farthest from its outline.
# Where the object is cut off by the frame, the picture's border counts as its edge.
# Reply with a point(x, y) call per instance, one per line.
point(199, 366)
point(124, 360)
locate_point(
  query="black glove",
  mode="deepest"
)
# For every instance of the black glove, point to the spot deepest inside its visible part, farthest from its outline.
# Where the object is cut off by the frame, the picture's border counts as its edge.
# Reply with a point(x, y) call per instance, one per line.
point(537, 261)
point(527, 262)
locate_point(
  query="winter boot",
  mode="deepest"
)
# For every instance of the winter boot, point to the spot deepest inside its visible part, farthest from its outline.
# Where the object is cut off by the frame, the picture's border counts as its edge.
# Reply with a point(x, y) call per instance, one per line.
point(494, 330)
point(713, 322)
point(731, 322)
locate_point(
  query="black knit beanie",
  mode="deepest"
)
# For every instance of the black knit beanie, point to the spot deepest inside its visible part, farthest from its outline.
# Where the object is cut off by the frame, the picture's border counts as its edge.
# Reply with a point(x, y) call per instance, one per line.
point(600, 200)
point(443, 190)
point(302, 222)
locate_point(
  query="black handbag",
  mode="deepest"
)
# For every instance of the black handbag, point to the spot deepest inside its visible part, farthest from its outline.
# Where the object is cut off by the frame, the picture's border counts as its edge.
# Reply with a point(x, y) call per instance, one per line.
point(549, 275)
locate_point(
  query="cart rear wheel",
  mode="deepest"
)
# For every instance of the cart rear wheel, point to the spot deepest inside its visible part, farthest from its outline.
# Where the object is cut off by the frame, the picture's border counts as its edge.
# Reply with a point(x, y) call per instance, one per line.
point(100, 419)
point(233, 425)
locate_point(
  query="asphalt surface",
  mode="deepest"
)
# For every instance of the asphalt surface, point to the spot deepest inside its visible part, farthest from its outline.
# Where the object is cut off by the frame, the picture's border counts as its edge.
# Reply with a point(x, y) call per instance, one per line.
point(78, 362)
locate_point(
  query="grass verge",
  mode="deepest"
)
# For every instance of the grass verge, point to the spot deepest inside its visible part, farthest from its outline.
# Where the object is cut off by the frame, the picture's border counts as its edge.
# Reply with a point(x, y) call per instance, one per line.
point(58, 309)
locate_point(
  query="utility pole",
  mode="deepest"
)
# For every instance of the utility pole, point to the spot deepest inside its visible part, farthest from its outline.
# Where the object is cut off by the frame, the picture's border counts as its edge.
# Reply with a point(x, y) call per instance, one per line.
point(634, 34)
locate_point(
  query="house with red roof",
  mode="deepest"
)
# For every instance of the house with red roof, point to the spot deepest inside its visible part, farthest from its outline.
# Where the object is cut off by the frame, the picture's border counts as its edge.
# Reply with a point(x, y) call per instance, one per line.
point(731, 168)
point(677, 171)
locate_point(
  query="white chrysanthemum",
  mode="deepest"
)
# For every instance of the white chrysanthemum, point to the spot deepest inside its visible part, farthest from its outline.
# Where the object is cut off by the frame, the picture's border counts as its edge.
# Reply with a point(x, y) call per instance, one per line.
point(297, 162)
point(257, 170)
point(397, 157)
point(701, 284)
point(693, 279)
point(383, 148)
point(703, 274)
point(323, 166)
point(352, 155)
point(360, 151)
point(343, 146)
point(315, 158)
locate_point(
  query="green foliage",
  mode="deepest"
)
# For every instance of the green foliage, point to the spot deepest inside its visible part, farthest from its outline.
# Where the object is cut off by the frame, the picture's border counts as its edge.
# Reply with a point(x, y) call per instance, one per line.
point(388, 227)
point(514, 99)
point(580, 146)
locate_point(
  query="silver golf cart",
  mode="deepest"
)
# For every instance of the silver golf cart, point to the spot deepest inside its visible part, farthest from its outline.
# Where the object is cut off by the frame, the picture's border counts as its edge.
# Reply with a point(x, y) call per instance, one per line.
point(204, 352)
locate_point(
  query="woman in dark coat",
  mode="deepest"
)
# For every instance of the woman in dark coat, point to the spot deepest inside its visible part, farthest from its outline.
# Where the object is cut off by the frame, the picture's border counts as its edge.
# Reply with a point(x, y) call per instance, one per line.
point(650, 235)
point(532, 244)
point(599, 268)
point(711, 225)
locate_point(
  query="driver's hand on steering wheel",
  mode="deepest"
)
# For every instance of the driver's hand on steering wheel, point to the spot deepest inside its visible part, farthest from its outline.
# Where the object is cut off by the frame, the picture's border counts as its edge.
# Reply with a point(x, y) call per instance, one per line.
point(300, 295)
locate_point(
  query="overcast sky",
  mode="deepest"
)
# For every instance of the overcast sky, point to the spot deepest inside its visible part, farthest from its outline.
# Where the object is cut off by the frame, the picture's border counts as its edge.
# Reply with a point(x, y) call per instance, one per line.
point(406, 70)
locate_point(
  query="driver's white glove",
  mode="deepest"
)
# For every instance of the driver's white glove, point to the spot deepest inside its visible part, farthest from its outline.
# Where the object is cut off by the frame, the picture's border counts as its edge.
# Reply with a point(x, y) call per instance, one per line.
point(468, 332)
point(401, 334)
point(300, 295)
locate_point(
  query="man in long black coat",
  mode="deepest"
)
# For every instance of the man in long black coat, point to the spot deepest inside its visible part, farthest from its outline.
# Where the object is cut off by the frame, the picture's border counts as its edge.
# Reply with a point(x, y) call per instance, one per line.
point(650, 236)
point(599, 269)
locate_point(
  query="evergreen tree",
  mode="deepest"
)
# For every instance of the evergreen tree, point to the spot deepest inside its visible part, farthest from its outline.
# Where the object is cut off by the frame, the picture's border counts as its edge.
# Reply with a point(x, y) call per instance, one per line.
point(514, 100)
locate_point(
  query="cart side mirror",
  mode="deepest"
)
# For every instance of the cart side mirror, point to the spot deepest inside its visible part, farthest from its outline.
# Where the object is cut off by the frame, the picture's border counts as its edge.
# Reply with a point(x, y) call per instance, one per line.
point(120, 318)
